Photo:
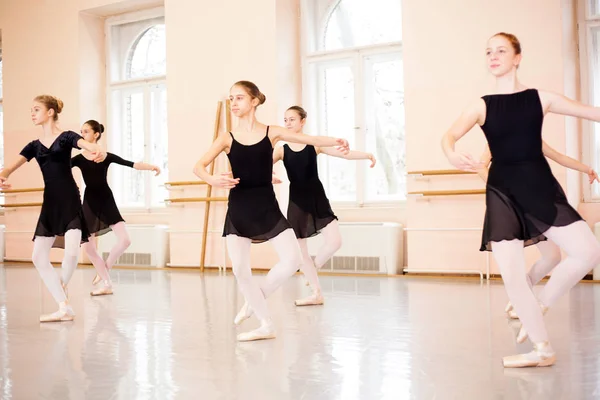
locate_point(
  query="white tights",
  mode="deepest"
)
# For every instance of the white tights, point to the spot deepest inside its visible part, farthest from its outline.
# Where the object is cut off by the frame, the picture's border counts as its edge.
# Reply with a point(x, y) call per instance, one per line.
point(583, 253)
point(287, 249)
point(123, 242)
point(41, 259)
point(332, 241)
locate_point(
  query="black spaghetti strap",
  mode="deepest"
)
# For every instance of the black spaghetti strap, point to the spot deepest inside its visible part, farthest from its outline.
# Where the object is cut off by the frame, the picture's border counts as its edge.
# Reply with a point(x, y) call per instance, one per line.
point(267, 131)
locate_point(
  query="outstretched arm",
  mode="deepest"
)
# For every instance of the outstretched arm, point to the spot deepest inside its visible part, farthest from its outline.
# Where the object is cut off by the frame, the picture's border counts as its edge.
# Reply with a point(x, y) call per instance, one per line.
point(569, 162)
point(277, 133)
point(7, 171)
point(351, 155)
point(474, 114)
point(559, 104)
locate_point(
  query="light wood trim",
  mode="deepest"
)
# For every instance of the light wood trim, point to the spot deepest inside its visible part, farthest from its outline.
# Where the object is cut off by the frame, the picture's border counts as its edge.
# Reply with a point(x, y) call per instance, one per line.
point(196, 199)
point(441, 172)
point(26, 190)
point(185, 183)
point(209, 189)
point(19, 205)
point(429, 193)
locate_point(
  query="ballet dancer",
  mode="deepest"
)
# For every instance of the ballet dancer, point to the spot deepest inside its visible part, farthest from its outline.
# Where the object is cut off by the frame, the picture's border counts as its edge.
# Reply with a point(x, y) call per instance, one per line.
point(61, 220)
point(309, 211)
point(99, 207)
point(253, 214)
point(549, 252)
point(524, 202)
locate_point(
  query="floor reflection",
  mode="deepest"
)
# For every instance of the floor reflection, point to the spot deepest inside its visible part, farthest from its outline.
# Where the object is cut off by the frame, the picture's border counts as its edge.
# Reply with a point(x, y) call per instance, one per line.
point(169, 335)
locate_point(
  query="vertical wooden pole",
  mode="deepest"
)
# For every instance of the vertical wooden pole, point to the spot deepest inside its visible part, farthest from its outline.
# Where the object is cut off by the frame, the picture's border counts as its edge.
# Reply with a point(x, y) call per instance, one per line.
point(209, 191)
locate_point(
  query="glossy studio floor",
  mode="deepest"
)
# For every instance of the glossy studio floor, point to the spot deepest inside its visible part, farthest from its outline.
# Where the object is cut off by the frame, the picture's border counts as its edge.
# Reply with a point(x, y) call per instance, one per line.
point(169, 335)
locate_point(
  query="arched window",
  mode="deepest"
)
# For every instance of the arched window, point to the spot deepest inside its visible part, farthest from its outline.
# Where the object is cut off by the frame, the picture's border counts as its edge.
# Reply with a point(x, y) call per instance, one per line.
point(138, 107)
point(354, 23)
point(147, 56)
point(356, 90)
point(1, 117)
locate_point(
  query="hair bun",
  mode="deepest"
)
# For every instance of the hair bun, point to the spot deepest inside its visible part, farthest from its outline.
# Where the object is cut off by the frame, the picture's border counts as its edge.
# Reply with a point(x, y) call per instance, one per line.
point(262, 98)
point(59, 105)
point(101, 128)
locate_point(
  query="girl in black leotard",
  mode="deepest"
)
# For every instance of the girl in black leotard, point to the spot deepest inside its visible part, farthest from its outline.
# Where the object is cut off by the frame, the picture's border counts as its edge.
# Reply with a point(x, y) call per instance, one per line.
point(253, 214)
point(61, 221)
point(99, 207)
point(309, 211)
point(549, 252)
point(525, 204)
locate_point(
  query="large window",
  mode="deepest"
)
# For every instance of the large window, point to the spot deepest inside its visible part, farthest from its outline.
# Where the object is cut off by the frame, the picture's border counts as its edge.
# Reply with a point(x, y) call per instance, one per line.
point(589, 50)
point(1, 111)
point(138, 105)
point(354, 89)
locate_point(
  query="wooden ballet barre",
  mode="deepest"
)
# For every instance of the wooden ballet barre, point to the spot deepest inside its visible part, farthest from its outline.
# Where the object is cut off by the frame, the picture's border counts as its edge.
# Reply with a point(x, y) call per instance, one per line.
point(185, 183)
point(441, 172)
point(430, 193)
point(196, 199)
point(27, 190)
point(19, 205)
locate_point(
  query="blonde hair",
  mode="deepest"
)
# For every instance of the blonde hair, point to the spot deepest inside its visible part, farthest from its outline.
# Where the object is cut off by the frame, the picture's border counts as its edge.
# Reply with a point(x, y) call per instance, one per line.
point(51, 103)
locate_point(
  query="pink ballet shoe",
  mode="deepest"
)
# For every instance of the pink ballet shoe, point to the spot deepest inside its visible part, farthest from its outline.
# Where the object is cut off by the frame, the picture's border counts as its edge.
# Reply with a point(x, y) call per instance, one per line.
point(105, 290)
point(64, 313)
point(315, 299)
point(244, 313)
point(266, 331)
point(542, 355)
point(96, 280)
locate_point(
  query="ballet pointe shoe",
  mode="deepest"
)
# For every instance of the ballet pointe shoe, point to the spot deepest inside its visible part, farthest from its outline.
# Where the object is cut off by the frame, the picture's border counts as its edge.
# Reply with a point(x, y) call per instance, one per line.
point(96, 280)
point(508, 308)
point(244, 313)
point(105, 290)
point(542, 355)
point(265, 331)
point(65, 313)
point(315, 299)
point(523, 335)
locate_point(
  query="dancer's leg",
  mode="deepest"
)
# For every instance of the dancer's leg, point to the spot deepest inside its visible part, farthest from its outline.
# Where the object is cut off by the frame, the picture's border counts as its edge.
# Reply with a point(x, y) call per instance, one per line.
point(511, 261)
point(550, 257)
point(239, 253)
point(123, 242)
point(583, 253)
point(102, 274)
point(332, 241)
point(290, 259)
point(310, 271)
point(308, 266)
point(71, 255)
point(41, 260)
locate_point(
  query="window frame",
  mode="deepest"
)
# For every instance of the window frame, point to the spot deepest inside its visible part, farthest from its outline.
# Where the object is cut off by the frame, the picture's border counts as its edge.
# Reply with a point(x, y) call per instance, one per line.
point(143, 84)
point(586, 21)
point(310, 59)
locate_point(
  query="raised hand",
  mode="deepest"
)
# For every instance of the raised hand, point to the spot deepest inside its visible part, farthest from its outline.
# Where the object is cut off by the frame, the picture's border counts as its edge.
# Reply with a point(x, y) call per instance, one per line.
point(373, 160)
point(593, 176)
